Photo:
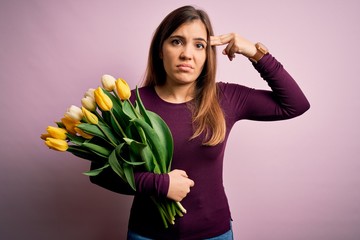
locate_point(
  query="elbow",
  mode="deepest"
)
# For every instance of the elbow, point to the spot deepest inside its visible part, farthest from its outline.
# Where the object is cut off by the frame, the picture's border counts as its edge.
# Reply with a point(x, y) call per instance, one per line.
point(300, 109)
point(304, 107)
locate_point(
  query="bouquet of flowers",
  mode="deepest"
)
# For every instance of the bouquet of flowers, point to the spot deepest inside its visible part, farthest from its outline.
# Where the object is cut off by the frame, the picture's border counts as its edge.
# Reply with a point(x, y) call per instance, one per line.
point(122, 136)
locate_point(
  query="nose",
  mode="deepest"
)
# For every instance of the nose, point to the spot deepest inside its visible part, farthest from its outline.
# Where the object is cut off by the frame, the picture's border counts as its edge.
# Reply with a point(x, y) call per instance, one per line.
point(186, 53)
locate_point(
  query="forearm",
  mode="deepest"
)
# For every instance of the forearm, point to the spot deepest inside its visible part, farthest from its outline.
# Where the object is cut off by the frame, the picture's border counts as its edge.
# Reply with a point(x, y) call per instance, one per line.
point(146, 182)
point(286, 100)
point(287, 91)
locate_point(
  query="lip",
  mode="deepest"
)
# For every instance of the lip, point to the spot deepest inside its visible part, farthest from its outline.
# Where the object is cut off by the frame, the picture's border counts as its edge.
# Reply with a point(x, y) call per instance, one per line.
point(184, 67)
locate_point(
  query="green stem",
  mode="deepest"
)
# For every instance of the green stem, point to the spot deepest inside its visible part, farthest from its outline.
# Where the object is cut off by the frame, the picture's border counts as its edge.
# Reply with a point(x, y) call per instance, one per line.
point(161, 212)
point(134, 110)
point(181, 207)
point(117, 124)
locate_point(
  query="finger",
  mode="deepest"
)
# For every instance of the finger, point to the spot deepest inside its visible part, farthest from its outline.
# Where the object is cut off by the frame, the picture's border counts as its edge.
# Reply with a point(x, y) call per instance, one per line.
point(179, 172)
point(215, 41)
point(183, 173)
point(192, 183)
point(228, 50)
point(221, 39)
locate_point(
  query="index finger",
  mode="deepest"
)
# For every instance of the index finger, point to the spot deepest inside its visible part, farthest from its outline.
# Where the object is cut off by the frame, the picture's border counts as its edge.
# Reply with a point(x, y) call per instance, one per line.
point(220, 40)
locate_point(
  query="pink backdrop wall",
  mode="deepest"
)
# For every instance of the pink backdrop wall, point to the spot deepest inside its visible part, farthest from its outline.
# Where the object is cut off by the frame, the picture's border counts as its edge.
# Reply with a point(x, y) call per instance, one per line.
point(295, 179)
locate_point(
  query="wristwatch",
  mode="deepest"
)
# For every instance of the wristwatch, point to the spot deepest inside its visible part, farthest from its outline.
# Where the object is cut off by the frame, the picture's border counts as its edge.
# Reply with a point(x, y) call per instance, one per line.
point(261, 50)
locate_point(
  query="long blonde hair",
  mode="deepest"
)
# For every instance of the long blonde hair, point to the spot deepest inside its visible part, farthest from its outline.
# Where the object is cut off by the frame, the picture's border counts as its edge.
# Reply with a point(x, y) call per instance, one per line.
point(207, 115)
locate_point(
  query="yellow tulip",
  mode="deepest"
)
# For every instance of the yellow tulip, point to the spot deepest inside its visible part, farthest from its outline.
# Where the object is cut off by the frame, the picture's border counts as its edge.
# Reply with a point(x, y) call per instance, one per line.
point(70, 124)
point(102, 100)
point(83, 134)
point(58, 133)
point(123, 89)
point(56, 144)
point(44, 136)
point(90, 117)
point(74, 113)
point(88, 103)
point(108, 82)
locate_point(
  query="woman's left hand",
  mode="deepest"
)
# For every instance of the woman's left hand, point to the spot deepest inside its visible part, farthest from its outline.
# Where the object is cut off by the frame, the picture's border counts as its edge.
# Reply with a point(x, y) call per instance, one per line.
point(235, 44)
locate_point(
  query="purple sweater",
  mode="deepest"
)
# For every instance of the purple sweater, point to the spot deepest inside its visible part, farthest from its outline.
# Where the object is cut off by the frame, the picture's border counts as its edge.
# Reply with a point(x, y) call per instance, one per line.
point(208, 213)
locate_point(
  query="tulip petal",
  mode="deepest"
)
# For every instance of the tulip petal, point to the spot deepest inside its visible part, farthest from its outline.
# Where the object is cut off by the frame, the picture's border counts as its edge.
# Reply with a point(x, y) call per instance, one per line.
point(57, 144)
point(102, 100)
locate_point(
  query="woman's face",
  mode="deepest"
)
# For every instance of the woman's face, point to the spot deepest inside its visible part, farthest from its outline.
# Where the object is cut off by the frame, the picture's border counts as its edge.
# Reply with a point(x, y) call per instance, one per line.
point(184, 53)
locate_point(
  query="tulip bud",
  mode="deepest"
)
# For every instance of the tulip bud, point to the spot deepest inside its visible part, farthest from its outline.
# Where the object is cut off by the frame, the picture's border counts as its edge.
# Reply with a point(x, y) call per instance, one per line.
point(58, 133)
point(83, 134)
point(57, 144)
point(44, 136)
point(123, 89)
point(102, 100)
point(108, 82)
point(90, 93)
point(74, 113)
point(88, 103)
point(70, 124)
point(90, 117)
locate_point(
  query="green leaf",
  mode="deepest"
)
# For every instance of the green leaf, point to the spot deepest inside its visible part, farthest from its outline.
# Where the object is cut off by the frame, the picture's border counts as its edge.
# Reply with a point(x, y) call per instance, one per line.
point(129, 110)
point(154, 143)
point(141, 107)
point(132, 163)
point(143, 151)
point(165, 136)
point(101, 130)
point(84, 153)
point(92, 130)
point(78, 140)
point(60, 124)
point(135, 145)
point(96, 172)
point(129, 174)
point(109, 133)
point(99, 150)
point(114, 163)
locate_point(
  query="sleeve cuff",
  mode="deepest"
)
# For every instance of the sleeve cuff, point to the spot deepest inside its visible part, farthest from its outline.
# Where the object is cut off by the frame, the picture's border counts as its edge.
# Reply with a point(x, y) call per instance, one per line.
point(152, 184)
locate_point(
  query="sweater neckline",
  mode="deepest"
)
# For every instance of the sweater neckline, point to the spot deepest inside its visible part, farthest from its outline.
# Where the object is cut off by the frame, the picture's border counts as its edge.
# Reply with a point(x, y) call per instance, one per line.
point(166, 102)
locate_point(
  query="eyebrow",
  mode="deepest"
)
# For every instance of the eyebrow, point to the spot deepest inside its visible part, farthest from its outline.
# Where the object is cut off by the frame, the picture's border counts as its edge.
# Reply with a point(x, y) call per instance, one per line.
point(181, 37)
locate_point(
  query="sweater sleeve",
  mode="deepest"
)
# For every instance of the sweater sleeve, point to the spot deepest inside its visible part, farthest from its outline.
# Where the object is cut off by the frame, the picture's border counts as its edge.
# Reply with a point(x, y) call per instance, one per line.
point(286, 100)
point(146, 182)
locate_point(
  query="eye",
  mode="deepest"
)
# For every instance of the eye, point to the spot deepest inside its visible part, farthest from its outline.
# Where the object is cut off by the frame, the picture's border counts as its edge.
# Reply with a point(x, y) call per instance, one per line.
point(176, 42)
point(200, 45)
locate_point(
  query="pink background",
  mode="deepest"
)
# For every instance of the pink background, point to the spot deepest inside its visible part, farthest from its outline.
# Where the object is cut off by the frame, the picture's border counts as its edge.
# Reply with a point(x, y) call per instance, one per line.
point(295, 179)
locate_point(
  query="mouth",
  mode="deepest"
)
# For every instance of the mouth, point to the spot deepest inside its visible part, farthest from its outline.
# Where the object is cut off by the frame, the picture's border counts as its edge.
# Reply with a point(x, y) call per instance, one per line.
point(184, 67)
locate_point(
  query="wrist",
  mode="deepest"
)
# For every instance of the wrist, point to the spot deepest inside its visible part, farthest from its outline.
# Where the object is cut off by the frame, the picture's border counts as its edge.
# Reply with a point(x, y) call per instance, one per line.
point(261, 51)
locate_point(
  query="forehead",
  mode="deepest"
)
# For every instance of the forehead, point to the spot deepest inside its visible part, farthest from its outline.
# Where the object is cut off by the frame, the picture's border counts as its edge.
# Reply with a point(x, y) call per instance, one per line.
point(193, 29)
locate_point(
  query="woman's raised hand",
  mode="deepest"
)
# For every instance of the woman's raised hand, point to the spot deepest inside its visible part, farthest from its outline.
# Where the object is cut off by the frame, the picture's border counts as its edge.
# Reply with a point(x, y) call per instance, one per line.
point(235, 44)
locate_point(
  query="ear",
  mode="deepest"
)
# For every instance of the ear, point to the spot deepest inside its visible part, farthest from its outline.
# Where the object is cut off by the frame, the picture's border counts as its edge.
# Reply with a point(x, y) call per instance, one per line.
point(161, 55)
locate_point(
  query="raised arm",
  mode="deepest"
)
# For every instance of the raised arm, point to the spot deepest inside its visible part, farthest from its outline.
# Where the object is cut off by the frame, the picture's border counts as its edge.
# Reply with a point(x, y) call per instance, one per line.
point(286, 100)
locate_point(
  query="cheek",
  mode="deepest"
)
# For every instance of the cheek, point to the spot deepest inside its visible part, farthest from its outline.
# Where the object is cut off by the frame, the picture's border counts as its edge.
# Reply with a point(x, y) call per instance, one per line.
point(202, 59)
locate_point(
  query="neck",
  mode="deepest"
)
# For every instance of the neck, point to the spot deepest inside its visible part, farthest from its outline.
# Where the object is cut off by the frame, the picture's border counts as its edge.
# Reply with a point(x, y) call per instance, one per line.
point(176, 93)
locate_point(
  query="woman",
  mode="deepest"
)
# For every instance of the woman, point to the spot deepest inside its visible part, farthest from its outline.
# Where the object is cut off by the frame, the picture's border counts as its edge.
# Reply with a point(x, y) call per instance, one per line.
point(180, 86)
